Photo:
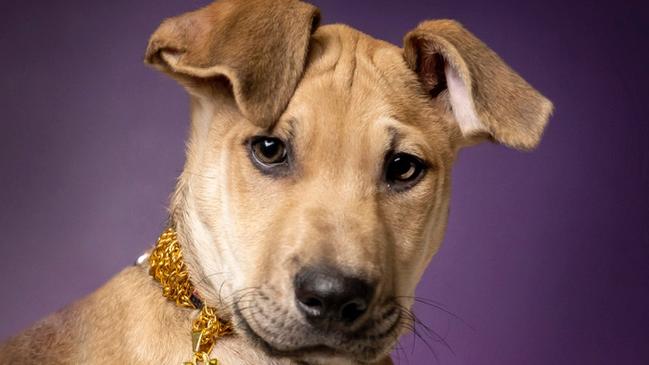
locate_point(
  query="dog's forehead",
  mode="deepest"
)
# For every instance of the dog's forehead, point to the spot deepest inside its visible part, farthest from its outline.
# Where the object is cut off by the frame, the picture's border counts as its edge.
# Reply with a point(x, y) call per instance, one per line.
point(351, 72)
point(348, 55)
point(356, 85)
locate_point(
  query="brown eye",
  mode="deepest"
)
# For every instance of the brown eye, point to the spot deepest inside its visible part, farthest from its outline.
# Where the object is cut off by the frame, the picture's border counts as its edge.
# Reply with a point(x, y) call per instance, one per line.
point(403, 170)
point(268, 151)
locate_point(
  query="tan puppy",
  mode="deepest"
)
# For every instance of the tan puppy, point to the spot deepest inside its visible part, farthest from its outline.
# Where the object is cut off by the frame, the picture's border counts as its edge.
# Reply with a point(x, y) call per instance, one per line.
point(315, 191)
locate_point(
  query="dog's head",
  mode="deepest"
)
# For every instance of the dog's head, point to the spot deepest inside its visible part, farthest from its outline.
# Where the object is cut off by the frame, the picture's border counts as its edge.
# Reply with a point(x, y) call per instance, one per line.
point(317, 180)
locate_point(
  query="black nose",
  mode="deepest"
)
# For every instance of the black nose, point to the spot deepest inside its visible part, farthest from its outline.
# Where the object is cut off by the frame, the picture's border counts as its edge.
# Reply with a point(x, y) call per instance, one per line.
point(326, 295)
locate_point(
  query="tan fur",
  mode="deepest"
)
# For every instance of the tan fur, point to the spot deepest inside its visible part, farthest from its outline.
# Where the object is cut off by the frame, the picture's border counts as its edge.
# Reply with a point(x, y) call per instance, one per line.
point(513, 112)
point(224, 39)
point(343, 99)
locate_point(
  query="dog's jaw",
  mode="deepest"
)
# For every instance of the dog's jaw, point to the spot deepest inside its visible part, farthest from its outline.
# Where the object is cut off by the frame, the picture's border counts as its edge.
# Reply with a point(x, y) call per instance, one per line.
point(281, 332)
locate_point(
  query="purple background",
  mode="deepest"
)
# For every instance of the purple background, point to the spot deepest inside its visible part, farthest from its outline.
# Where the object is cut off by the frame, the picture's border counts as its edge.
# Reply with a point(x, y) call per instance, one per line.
point(546, 260)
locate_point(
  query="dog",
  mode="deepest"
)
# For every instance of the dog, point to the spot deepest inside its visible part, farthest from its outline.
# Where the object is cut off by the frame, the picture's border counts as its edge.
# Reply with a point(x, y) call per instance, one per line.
point(315, 190)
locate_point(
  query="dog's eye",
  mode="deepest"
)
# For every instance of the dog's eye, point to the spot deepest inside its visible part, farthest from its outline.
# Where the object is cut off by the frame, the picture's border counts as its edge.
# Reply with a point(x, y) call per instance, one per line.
point(268, 151)
point(403, 170)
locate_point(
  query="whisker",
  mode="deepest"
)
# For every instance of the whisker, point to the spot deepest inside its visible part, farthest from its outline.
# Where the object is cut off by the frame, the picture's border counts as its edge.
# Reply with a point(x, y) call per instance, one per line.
point(200, 175)
point(416, 326)
point(436, 305)
point(205, 277)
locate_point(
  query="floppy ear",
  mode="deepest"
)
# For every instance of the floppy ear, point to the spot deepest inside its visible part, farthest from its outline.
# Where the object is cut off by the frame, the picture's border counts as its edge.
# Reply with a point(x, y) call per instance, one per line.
point(487, 97)
point(260, 46)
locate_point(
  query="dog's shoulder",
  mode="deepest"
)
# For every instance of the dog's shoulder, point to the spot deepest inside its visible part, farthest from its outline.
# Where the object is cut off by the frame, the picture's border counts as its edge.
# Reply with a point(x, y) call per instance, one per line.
point(50, 340)
point(121, 314)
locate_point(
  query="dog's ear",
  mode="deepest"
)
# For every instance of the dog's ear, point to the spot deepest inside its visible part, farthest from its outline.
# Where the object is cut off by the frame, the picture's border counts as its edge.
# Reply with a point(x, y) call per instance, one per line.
point(487, 98)
point(260, 46)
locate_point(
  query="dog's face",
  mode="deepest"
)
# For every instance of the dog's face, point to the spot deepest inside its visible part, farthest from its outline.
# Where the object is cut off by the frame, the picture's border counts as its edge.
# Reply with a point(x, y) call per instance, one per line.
point(349, 187)
point(316, 187)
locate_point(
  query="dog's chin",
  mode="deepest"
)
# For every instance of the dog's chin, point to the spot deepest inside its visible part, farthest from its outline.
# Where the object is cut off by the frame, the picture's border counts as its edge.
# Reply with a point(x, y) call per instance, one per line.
point(289, 337)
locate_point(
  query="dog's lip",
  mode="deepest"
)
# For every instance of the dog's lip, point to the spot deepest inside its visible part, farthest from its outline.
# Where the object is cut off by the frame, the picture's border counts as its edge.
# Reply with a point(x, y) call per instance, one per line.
point(297, 352)
point(270, 349)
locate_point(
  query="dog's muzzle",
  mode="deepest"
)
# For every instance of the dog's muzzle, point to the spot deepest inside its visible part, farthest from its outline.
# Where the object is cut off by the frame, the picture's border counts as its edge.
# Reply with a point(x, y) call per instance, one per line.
point(331, 314)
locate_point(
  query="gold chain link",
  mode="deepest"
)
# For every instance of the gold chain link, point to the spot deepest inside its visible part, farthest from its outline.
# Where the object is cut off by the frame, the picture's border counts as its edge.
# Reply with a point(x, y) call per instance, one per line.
point(167, 267)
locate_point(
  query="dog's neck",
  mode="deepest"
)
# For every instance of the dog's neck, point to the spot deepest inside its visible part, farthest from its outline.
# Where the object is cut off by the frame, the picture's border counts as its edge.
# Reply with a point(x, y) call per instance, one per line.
point(168, 268)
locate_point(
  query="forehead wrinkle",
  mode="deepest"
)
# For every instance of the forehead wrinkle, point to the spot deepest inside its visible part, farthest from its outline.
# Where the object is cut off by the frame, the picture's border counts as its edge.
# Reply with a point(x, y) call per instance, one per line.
point(344, 70)
point(343, 49)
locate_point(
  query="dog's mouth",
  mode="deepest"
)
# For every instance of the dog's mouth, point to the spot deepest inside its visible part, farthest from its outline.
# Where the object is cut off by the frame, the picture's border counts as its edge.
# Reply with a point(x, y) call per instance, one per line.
point(280, 333)
point(297, 352)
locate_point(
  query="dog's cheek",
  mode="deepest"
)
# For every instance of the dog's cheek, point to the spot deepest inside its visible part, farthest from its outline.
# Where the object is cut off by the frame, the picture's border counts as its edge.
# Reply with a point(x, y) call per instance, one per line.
point(210, 189)
point(419, 233)
point(250, 213)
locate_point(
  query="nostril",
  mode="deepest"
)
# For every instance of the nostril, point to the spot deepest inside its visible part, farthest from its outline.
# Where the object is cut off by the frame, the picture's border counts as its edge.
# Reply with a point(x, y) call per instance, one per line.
point(352, 311)
point(313, 302)
point(312, 306)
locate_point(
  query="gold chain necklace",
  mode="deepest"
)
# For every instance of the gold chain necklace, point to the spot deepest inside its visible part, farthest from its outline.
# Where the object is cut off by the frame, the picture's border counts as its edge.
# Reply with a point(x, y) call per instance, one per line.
point(167, 267)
